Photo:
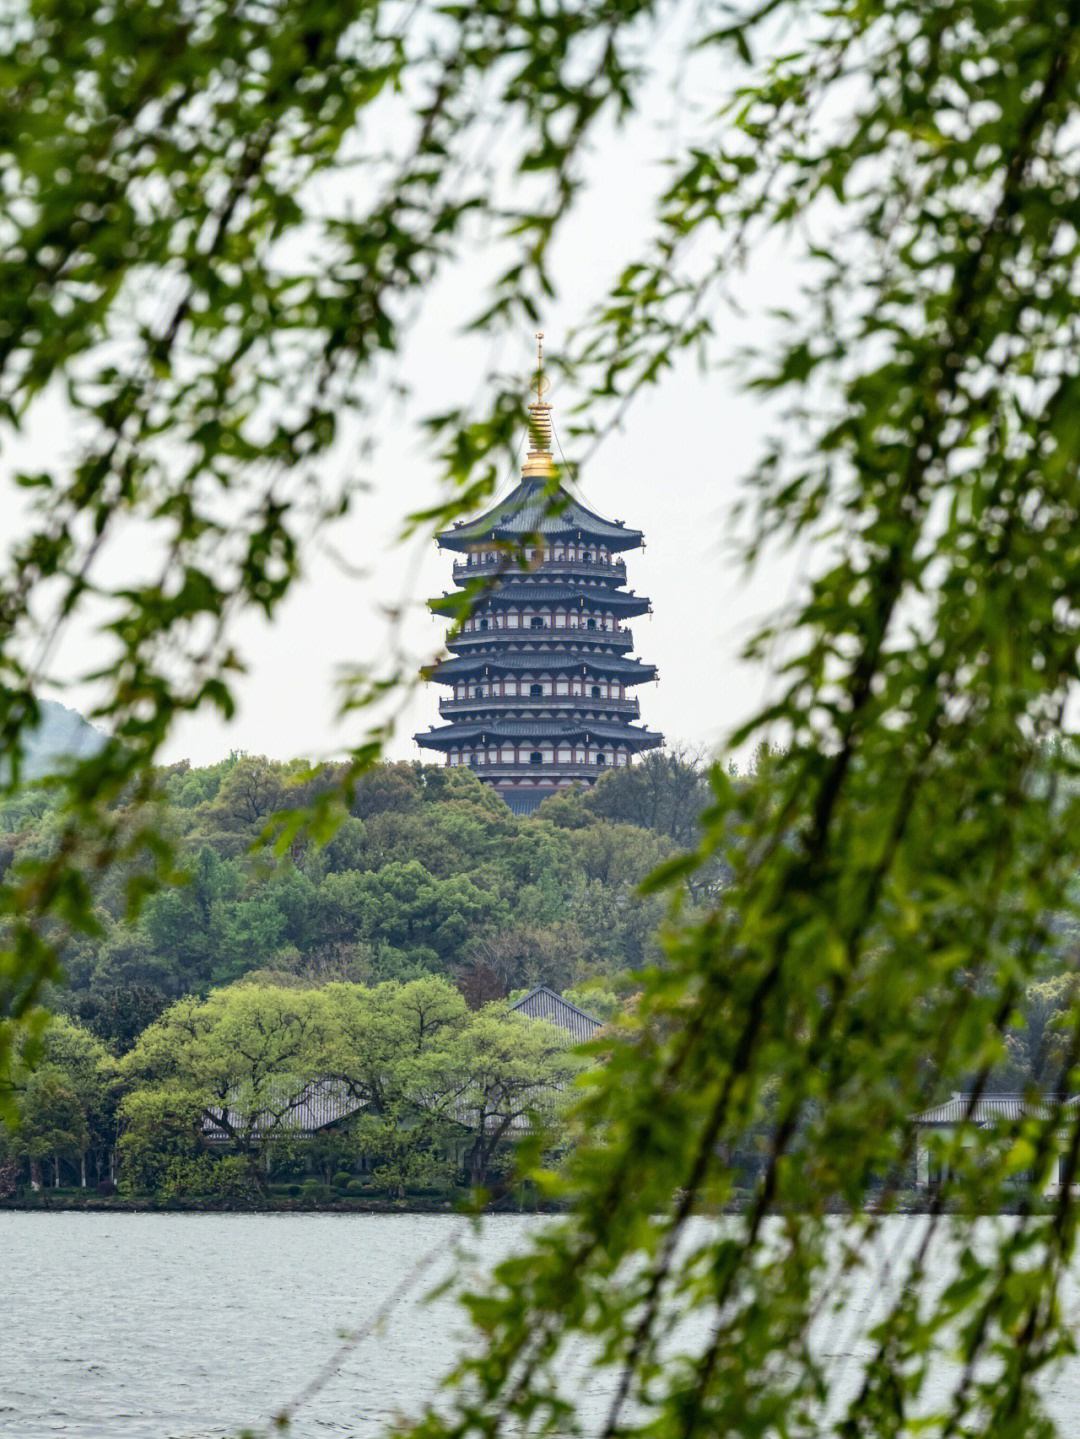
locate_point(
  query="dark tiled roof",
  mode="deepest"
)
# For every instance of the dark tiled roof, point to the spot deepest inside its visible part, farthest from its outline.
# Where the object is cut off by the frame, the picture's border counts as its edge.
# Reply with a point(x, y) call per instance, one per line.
point(544, 1003)
point(995, 1108)
point(289, 1110)
point(543, 661)
point(497, 729)
point(530, 510)
point(526, 801)
point(515, 592)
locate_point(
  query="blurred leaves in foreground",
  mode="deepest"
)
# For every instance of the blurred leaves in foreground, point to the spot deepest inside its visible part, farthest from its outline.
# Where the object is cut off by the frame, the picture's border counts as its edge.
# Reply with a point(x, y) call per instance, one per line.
point(895, 866)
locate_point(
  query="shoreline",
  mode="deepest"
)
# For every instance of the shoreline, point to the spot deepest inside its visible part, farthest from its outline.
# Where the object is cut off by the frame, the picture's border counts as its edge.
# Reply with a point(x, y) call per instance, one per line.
point(116, 1204)
point(410, 1204)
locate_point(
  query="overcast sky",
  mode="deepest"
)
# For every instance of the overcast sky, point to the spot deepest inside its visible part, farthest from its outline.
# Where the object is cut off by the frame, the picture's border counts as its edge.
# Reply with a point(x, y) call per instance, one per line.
point(673, 471)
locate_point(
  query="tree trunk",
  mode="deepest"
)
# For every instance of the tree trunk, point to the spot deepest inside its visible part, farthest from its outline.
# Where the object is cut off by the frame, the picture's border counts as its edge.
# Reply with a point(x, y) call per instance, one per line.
point(476, 1164)
point(256, 1177)
point(82, 1170)
point(35, 1175)
point(56, 1171)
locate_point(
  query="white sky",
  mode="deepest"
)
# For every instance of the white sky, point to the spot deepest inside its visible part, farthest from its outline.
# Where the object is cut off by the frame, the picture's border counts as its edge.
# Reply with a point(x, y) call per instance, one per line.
point(673, 471)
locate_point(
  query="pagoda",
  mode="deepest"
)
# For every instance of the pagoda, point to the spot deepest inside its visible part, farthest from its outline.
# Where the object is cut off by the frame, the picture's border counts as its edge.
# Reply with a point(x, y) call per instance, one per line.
point(540, 673)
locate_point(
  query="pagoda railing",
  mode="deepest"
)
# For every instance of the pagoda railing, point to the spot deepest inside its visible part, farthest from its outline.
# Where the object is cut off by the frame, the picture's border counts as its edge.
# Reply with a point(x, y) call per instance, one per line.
point(508, 563)
point(631, 708)
point(622, 639)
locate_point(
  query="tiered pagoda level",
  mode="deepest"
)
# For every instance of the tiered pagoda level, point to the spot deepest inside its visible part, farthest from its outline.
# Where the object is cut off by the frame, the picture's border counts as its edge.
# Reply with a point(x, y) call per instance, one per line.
point(540, 679)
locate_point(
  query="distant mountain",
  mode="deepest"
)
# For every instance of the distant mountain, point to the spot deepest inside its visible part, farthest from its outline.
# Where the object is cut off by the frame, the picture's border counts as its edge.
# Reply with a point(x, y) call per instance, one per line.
point(61, 735)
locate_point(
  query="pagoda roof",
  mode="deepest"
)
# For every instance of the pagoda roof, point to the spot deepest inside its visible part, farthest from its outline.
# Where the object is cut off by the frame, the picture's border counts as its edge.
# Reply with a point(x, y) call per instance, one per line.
point(528, 591)
point(533, 507)
point(499, 729)
point(598, 661)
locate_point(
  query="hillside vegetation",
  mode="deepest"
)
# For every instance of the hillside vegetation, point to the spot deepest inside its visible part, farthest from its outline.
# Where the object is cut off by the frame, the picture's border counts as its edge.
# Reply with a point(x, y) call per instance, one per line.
point(428, 874)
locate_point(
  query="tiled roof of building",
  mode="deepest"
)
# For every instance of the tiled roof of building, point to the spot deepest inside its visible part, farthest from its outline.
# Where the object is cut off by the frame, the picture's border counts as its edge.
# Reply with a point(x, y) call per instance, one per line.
point(555, 729)
point(289, 1110)
point(530, 510)
point(543, 662)
point(515, 592)
point(995, 1108)
point(544, 1003)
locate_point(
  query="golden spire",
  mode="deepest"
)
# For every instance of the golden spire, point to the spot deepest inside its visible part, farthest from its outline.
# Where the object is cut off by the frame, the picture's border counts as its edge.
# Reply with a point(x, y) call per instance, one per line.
point(540, 461)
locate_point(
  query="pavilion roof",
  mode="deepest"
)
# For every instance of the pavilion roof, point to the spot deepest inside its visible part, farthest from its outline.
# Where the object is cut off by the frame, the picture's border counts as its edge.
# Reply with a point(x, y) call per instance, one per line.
point(287, 1108)
point(545, 1003)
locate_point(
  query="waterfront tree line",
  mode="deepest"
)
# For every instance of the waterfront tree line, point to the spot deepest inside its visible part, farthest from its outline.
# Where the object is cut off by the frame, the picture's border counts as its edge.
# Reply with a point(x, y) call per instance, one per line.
point(260, 1091)
point(379, 962)
point(333, 1021)
point(292, 1089)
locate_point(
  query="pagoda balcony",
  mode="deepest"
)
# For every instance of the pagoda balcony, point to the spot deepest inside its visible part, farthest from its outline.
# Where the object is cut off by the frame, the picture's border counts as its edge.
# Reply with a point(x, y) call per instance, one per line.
point(574, 635)
point(629, 708)
point(504, 564)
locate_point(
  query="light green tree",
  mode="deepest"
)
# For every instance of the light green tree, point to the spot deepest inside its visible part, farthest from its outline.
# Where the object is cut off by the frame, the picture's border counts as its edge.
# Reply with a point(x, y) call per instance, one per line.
point(373, 1033)
point(242, 1060)
point(65, 1101)
point(84, 1065)
point(496, 1079)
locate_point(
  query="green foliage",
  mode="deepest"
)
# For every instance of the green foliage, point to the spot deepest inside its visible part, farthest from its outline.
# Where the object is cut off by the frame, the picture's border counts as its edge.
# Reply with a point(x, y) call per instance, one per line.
point(436, 878)
point(501, 1076)
point(52, 1122)
point(160, 1149)
point(64, 1104)
point(424, 1089)
point(896, 871)
point(236, 1063)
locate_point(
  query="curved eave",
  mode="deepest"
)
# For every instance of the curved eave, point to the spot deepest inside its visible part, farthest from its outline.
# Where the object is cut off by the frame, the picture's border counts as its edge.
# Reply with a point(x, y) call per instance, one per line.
point(530, 510)
point(446, 736)
point(533, 642)
point(506, 593)
point(462, 666)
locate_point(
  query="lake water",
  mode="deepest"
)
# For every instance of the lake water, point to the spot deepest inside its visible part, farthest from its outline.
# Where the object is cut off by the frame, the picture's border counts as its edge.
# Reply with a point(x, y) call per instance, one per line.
point(186, 1326)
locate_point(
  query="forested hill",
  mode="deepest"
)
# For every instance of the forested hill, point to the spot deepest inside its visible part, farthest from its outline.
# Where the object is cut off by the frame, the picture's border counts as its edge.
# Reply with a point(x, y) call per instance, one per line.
point(429, 873)
point(61, 734)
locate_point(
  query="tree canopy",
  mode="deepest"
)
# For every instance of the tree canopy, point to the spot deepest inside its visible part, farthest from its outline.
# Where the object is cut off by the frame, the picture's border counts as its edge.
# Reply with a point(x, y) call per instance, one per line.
point(419, 878)
point(897, 867)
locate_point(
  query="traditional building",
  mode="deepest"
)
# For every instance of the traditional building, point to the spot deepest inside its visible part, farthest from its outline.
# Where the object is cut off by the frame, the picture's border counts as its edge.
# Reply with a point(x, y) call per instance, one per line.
point(545, 1003)
point(939, 1131)
point(540, 675)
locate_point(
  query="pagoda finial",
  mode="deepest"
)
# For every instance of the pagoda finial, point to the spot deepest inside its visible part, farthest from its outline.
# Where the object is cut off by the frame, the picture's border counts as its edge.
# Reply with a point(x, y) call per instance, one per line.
point(540, 461)
point(541, 385)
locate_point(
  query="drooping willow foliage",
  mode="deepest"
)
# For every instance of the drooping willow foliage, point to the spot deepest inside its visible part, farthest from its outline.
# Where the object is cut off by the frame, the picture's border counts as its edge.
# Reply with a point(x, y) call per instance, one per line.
point(903, 864)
